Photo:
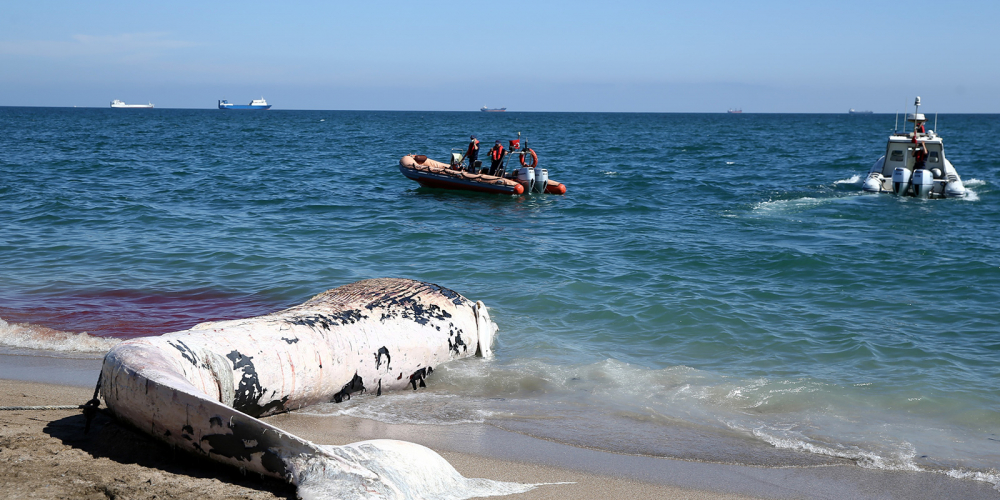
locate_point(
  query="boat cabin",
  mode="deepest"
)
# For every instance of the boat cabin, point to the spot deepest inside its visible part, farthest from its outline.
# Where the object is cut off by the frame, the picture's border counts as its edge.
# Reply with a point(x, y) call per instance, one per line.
point(900, 152)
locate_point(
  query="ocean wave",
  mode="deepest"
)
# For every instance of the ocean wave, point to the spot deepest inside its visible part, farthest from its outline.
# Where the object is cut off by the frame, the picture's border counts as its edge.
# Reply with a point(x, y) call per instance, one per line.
point(974, 182)
point(901, 460)
point(36, 337)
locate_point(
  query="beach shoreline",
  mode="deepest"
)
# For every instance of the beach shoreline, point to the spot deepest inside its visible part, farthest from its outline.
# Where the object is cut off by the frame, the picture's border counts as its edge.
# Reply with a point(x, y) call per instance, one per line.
point(45, 454)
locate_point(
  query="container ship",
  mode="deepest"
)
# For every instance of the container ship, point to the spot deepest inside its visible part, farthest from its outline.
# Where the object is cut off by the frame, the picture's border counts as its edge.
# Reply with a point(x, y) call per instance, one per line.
point(492, 110)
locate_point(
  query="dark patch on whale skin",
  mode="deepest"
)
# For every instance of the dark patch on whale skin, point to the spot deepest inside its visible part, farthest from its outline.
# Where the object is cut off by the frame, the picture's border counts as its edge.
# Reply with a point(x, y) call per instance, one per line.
point(249, 393)
point(243, 442)
point(186, 352)
point(454, 296)
point(290, 341)
point(325, 321)
point(355, 385)
point(215, 422)
point(411, 308)
point(456, 333)
point(419, 376)
point(382, 351)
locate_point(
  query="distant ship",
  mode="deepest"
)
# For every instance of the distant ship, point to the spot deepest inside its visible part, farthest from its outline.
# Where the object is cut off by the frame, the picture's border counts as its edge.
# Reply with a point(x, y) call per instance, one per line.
point(853, 112)
point(734, 111)
point(254, 104)
point(492, 110)
point(120, 104)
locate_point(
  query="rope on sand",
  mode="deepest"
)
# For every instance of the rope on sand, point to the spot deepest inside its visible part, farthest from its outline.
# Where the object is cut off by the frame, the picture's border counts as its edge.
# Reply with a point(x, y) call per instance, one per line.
point(51, 407)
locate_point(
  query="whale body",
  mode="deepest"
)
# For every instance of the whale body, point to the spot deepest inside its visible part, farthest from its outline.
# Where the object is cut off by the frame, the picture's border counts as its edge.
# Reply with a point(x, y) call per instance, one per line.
point(201, 389)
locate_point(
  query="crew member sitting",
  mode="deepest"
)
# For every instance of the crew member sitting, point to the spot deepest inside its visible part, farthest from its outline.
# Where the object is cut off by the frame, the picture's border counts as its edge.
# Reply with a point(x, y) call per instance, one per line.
point(496, 155)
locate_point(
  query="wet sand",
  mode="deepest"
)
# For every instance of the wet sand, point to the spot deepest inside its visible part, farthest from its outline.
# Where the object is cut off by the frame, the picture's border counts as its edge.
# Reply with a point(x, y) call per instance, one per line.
point(46, 454)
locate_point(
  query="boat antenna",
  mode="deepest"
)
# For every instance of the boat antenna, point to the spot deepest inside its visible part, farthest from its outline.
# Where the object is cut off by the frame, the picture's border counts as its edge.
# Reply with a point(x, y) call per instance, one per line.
point(906, 109)
point(935, 123)
point(895, 123)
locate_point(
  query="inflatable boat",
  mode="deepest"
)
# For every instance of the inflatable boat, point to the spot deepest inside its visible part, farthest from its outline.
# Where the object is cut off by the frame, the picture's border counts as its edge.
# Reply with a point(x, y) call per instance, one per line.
point(914, 164)
point(528, 178)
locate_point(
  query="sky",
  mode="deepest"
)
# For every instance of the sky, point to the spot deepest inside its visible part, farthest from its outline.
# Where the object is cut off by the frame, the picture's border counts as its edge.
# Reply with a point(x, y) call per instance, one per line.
point(613, 55)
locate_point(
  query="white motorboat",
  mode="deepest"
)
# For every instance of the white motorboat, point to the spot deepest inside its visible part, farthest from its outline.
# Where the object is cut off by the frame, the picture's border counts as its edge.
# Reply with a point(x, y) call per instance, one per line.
point(914, 164)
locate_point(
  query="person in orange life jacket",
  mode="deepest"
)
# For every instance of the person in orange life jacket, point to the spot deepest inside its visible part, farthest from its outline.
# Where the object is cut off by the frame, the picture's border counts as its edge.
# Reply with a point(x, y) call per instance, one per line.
point(496, 155)
point(473, 152)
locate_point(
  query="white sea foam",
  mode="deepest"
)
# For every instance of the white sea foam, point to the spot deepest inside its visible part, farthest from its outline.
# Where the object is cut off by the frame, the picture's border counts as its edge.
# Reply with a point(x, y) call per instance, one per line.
point(991, 476)
point(854, 179)
point(28, 336)
point(901, 460)
point(974, 182)
point(389, 469)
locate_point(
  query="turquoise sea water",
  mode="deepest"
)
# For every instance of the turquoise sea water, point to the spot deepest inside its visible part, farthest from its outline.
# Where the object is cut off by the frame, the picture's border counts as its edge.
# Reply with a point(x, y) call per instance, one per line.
point(712, 286)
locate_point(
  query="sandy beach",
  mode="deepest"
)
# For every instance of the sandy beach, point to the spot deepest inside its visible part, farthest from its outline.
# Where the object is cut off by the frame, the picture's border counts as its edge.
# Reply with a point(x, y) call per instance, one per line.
point(47, 454)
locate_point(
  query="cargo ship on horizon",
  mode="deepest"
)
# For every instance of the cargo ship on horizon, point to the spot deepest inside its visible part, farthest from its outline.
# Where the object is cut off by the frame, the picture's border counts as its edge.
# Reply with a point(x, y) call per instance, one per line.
point(121, 104)
point(254, 104)
point(492, 110)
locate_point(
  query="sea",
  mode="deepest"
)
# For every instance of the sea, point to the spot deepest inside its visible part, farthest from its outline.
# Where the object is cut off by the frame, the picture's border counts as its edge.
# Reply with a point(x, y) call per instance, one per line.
point(711, 287)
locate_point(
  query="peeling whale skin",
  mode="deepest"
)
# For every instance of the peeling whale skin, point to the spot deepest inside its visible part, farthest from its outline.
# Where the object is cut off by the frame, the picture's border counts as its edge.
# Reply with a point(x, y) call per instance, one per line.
point(202, 389)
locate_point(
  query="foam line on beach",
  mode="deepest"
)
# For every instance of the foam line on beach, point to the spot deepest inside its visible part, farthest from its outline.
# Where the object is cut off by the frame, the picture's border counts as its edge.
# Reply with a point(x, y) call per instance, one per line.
point(37, 337)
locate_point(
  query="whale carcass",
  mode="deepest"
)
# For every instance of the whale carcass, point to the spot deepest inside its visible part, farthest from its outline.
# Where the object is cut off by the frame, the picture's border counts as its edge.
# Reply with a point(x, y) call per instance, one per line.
point(201, 389)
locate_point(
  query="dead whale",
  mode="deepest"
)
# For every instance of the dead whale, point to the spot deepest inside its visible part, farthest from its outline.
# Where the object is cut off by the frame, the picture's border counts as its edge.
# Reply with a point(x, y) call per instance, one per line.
point(201, 389)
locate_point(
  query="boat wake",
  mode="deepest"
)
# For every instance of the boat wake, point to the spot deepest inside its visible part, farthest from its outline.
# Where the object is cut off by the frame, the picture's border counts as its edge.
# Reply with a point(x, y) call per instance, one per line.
point(854, 179)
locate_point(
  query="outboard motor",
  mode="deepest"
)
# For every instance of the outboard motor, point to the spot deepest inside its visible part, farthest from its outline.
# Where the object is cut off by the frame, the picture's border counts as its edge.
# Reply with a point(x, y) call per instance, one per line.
point(900, 180)
point(527, 175)
point(541, 179)
point(923, 182)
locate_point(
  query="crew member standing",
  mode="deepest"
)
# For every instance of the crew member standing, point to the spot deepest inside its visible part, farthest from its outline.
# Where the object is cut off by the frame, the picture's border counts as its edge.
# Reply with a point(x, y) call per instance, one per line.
point(919, 155)
point(496, 155)
point(473, 153)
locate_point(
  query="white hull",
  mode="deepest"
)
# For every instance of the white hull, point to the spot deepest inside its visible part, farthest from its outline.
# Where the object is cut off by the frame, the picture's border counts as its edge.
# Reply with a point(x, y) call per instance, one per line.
point(119, 104)
point(899, 172)
point(200, 389)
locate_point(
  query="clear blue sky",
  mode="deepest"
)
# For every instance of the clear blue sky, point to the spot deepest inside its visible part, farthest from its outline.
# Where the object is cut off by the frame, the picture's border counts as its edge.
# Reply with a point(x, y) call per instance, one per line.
point(700, 55)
